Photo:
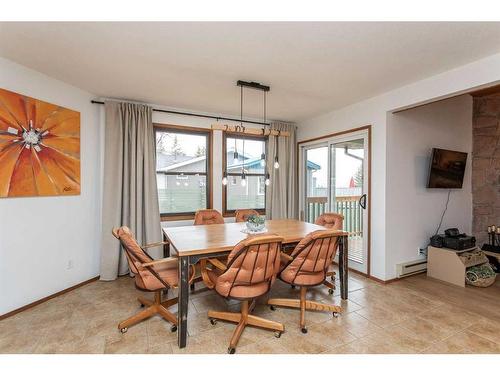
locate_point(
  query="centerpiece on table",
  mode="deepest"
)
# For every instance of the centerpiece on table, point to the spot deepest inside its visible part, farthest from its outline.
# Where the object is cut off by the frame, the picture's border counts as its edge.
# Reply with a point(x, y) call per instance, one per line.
point(255, 224)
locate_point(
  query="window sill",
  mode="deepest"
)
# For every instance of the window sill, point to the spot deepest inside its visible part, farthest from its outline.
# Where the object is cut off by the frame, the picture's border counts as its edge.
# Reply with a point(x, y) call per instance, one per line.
point(177, 217)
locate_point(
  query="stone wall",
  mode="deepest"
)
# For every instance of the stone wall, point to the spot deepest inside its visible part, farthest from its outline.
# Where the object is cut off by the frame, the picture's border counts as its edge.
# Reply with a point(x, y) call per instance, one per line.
point(486, 165)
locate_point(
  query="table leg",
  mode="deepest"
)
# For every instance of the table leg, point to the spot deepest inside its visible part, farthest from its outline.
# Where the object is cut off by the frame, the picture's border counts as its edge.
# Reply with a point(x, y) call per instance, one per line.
point(183, 301)
point(343, 266)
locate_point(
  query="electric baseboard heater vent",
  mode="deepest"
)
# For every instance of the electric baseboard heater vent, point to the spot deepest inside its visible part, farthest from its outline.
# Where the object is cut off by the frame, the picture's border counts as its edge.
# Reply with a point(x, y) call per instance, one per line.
point(411, 268)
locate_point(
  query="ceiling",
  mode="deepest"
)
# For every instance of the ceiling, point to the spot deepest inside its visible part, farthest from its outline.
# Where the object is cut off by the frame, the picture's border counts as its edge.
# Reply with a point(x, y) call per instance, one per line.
point(312, 68)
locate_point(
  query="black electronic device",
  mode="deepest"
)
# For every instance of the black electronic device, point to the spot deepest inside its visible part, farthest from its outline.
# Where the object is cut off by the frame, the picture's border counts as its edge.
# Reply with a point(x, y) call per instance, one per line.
point(447, 169)
point(452, 232)
point(453, 239)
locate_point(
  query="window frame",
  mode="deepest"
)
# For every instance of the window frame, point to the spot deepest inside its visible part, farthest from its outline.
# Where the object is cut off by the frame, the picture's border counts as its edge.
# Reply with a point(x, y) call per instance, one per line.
point(225, 211)
point(208, 133)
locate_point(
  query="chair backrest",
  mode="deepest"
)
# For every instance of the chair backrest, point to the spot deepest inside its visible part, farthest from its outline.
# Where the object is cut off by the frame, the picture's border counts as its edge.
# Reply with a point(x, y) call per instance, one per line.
point(242, 215)
point(330, 220)
point(145, 278)
point(252, 267)
point(205, 217)
point(311, 258)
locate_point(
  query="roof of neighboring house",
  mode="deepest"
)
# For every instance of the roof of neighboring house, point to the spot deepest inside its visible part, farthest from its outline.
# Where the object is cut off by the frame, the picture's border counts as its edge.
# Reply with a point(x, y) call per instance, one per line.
point(181, 164)
point(164, 160)
point(311, 165)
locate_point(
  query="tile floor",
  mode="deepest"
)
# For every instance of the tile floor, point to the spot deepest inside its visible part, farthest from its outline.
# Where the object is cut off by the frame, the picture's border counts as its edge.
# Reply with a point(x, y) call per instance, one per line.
point(408, 316)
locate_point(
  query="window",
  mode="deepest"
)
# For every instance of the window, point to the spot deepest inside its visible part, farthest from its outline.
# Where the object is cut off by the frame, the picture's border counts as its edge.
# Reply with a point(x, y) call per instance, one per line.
point(182, 169)
point(252, 194)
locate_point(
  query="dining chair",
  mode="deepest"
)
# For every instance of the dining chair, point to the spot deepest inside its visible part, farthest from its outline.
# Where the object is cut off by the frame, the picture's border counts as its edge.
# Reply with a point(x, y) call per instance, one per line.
point(307, 267)
point(330, 220)
point(250, 272)
point(207, 217)
point(242, 215)
point(150, 276)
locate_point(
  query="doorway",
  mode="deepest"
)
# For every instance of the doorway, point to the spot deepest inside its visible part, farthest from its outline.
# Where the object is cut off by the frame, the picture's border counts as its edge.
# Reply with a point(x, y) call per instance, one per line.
point(334, 176)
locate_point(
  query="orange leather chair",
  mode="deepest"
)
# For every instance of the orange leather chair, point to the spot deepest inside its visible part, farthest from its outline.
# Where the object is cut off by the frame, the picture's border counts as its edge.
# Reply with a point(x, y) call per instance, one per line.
point(250, 271)
point(330, 220)
point(206, 217)
point(150, 276)
point(306, 267)
point(242, 215)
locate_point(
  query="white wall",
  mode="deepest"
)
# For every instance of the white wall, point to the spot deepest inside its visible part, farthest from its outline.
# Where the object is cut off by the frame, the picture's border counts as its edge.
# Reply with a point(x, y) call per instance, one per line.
point(374, 112)
point(40, 235)
point(414, 210)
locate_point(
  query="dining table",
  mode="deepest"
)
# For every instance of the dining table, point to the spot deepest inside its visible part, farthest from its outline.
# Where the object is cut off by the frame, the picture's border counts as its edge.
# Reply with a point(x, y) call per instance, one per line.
point(196, 242)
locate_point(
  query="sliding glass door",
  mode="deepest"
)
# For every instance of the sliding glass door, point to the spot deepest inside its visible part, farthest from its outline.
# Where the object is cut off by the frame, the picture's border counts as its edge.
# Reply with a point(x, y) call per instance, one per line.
point(333, 177)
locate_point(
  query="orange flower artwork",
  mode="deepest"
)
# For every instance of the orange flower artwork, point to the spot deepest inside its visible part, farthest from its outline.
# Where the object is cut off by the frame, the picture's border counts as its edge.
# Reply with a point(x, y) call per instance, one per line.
point(39, 147)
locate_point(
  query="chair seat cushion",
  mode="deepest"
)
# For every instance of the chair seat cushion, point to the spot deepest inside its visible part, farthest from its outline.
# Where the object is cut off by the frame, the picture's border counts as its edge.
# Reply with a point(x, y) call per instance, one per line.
point(167, 271)
point(287, 274)
point(238, 292)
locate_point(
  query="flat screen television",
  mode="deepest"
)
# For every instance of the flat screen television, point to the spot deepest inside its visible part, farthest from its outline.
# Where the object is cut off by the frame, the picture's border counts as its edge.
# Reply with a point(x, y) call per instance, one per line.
point(447, 169)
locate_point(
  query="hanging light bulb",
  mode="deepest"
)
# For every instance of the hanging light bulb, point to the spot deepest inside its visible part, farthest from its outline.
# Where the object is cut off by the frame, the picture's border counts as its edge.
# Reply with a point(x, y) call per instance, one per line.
point(268, 180)
point(276, 163)
point(243, 179)
point(235, 156)
point(263, 160)
point(224, 179)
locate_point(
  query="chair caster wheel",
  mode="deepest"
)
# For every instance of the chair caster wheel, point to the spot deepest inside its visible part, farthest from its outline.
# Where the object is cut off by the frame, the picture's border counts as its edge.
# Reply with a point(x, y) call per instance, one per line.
point(336, 314)
point(304, 330)
point(293, 286)
point(273, 308)
point(123, 330)
point(173, 329)
point(213, 322)
point(332, 278)
point(330, 291)
point(231, 350)
point(277, 334)
point(142, 305)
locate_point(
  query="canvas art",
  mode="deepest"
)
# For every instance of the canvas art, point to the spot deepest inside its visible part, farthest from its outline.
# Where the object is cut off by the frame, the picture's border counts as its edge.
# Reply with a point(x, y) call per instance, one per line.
point(39, 147)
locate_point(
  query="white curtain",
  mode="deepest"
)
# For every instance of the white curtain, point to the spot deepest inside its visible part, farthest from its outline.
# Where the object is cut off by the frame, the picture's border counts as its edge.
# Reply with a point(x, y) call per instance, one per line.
point(282, 193)
point(130, 194)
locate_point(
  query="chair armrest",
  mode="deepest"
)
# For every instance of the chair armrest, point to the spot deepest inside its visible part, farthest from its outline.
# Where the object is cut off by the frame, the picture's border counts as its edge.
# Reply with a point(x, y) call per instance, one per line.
point(286, 257)
point(154, 244)
point(161, 261)
point(217, 263)
point(204, 274)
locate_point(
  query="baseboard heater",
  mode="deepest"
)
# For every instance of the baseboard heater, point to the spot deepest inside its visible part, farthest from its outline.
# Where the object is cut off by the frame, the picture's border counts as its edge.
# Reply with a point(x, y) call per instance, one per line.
point(411, 268)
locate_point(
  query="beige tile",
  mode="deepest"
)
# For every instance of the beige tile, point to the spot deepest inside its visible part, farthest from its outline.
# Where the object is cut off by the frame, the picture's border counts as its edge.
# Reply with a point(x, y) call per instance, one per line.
point(126, 344)
point(450, 317)
point(489, 329)
point(356, 324)
point(426, 330)
point(473, 343)
point(329, 334)
point(445, 347)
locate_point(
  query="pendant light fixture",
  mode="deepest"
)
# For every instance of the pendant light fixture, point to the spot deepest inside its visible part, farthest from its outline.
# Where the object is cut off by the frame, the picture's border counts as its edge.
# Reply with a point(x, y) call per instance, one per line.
point(243, 176)
point(263, 155)
point(236, 156)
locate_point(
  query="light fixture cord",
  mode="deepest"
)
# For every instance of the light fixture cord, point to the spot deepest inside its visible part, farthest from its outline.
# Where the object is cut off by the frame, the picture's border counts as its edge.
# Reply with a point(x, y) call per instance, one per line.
point(243, 129)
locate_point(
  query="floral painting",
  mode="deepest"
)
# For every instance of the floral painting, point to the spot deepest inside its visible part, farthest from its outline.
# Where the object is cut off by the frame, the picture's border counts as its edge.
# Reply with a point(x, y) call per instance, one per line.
point(39, 147)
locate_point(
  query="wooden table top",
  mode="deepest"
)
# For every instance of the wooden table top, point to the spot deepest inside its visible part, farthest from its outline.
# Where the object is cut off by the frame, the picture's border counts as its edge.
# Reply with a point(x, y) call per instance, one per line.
point(207, 239)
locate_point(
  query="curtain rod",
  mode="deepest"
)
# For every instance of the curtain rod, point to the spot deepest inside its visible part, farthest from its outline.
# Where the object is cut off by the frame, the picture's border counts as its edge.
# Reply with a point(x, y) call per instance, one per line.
point(198, 115)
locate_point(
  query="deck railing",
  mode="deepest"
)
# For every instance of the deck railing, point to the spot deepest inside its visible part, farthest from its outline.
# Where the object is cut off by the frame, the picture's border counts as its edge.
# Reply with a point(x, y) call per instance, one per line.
point(347, 206)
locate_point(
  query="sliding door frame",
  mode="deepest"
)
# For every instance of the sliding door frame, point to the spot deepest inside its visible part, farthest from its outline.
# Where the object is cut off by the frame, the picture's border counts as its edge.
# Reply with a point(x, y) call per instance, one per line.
point(320, 140)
